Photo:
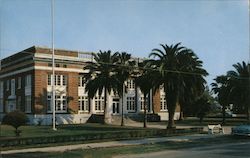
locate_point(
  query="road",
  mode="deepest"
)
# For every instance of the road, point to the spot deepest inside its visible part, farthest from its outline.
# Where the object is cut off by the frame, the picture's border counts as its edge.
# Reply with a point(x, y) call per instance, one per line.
point(230, 150)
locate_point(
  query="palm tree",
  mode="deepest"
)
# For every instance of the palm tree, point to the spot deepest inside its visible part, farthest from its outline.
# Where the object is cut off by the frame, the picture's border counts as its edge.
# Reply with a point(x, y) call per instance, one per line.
point(173, 64)
point(194, 84)
point(101, 76)
point(124, 69)
point(240, 85)
point(144, 82)
point(222, 88)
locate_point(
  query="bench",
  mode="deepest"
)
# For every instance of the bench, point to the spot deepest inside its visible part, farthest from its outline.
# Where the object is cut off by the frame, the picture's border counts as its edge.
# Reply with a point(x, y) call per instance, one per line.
point(215, 129)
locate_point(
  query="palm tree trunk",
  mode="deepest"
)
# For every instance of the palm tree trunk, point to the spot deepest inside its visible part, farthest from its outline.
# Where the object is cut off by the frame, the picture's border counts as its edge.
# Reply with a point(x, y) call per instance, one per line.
point(181, 113)
point(122, 121)
point(145, 112)
point(171, 112)
point(106, 117)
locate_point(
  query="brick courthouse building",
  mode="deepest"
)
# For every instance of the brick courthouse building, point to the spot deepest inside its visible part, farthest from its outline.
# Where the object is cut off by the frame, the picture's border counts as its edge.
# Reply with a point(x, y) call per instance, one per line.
point(25, 84)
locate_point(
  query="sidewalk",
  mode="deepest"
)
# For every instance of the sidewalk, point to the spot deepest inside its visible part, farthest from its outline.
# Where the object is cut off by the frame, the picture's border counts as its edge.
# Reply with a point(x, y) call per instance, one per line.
point(111, 144)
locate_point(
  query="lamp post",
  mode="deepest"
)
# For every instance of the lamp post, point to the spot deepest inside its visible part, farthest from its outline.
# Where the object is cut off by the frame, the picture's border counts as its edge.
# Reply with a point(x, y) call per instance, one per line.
point(53, 67)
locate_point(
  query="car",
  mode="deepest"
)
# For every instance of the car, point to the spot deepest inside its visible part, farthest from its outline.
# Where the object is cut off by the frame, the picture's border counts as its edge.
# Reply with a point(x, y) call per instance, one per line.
point(241, 130)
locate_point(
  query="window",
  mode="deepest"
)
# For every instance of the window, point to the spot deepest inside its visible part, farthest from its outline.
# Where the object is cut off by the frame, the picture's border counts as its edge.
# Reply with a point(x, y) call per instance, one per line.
point(19, 82)
point(13, 87)
point(60, 103)
point(131, 103)
point(142, 103)
point(7, 85)
point(83, 103)
point(57, 65)
point(64, 65)
point(49, 79)
point(58, 79)
point(163, 103)
point(28, 81)
point(19, 102)
point(28, 103)
point(131, 84)
point(99, 103)
point(49, 109)
point(64, 80)
point(50, 64)
point(81, 81)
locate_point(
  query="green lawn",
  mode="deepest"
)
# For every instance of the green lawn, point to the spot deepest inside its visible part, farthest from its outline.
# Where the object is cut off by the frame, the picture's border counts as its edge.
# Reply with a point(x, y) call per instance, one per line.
point(40, 131)
point(109, 152)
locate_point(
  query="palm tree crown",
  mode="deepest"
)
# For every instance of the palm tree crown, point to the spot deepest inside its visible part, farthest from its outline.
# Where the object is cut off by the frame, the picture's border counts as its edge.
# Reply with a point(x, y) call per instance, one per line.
point(179, 69)
point(101, 76)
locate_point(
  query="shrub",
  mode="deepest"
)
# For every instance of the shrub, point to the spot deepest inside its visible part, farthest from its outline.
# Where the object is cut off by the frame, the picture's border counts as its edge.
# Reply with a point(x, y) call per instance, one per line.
point(15, 119)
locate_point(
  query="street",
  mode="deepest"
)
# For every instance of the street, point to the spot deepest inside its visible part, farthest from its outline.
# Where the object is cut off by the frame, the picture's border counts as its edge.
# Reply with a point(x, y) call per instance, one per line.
point(230, 150)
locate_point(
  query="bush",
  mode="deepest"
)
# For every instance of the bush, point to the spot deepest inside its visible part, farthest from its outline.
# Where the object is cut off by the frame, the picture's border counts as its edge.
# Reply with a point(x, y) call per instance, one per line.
point(15, 119)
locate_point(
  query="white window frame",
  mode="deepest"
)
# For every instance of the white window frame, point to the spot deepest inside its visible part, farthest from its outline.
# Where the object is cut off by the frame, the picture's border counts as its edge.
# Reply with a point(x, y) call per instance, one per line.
point(28, 104)
point(13, 87)
point(19, 82)
point(7, 85)
point(142, 102)
point(99, 103)
point(130, 84)
point(61, 103)
point(163, 103)
point(28, 80)
point(81, 81)
point(131, 104)
point(83, 103)
point(49, 80)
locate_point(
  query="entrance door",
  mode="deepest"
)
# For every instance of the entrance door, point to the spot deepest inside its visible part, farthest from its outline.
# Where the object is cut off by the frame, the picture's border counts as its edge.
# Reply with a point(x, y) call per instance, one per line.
point(116, 106)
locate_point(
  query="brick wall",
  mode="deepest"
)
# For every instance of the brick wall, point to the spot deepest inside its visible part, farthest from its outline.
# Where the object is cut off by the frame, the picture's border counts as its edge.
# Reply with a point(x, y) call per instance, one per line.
point(72, 92)
point(157, 101)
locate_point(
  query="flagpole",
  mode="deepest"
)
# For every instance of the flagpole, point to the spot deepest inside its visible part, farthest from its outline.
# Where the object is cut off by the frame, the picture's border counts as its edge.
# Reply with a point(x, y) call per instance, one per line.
point(53, 66)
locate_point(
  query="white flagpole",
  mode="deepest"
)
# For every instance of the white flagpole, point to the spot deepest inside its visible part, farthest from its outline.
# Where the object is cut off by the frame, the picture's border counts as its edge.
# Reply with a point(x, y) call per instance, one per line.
point(53, 65)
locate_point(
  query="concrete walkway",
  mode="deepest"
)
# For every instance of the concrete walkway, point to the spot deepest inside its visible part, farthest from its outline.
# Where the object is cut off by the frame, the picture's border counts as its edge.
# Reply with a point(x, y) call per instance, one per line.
point(111, 144)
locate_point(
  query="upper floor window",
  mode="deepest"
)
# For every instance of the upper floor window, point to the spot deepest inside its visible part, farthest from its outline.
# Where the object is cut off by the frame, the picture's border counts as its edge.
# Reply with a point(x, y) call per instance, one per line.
point(19, 82)
point(13, 87)
point(7, 85)
point(1, 89)
point(130, 84)
point(59, 80)
point(81, 81)
point(27, 80)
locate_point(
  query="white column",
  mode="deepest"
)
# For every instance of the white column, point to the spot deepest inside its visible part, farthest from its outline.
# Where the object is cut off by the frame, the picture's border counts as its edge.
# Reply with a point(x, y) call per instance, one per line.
point(92, 106)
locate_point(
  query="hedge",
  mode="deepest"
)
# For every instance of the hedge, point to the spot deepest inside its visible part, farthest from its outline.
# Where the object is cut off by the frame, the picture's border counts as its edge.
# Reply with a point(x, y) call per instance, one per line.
point(12, 142)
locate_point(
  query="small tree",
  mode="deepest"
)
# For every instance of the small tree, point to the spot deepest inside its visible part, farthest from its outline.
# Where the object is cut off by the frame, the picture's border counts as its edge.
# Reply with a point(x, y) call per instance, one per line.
point(15, 119)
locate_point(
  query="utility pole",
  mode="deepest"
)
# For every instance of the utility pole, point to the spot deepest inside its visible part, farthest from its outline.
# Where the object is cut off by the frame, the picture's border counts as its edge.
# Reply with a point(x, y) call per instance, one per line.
point(53, 67)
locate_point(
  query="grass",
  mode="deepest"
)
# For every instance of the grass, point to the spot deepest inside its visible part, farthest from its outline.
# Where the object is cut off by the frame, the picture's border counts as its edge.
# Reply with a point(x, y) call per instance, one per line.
point(109, 152)
point(43, 131)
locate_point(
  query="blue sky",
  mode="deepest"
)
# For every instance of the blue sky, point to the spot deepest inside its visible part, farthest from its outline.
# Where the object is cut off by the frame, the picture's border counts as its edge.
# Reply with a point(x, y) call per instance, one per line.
point(216, 30)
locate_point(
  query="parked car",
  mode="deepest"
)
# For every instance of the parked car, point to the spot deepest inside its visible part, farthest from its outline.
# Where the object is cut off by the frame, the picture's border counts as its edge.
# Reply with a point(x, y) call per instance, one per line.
point(241, 130)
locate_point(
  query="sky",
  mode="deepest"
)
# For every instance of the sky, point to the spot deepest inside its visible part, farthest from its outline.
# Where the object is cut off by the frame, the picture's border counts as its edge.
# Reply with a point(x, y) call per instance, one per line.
point(216, 30)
